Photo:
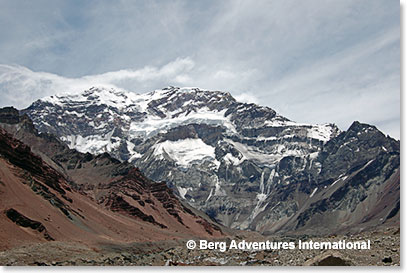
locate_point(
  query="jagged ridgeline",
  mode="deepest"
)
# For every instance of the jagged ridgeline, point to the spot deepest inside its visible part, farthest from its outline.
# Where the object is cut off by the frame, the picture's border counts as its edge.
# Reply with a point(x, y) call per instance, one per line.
point(243, 164)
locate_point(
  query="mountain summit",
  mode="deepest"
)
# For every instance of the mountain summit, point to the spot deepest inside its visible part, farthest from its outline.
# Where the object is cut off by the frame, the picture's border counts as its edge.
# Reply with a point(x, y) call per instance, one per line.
point(106, 119)
point(243, 164)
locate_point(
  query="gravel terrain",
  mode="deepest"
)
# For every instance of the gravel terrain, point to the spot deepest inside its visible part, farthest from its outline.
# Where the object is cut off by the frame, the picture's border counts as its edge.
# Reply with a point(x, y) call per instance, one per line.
point(385, 251)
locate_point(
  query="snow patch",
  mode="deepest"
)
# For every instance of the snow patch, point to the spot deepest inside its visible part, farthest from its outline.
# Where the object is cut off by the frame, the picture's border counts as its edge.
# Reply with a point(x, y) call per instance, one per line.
point(313, 155)
point(341, 178)
point(218, 190)
point(313, 192)
point(182, 191)
point(186, 151)
point(253, 153)
point(152, 125)
point(321, 132)
point(209, 196)
point(94, 144)
point(230, 159)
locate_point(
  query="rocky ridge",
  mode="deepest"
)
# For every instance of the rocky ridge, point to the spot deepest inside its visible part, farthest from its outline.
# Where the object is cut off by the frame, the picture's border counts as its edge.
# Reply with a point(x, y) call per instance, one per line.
point(243, 164)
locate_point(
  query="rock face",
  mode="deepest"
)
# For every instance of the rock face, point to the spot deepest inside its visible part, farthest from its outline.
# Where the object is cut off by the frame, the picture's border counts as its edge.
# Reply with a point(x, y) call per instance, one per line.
point(243, 164)
point(63, 195)
point(23, 221)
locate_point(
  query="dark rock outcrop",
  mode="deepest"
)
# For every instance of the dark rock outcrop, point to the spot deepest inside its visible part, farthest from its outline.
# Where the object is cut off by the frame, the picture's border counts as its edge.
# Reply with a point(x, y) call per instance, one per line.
point(23, 221)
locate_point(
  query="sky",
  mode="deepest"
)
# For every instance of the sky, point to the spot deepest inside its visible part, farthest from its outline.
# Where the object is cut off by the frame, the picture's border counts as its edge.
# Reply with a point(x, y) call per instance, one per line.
point(313, 61)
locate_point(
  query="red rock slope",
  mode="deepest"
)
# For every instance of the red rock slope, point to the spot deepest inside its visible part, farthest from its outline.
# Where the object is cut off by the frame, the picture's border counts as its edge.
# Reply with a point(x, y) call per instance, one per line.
point(90, 204)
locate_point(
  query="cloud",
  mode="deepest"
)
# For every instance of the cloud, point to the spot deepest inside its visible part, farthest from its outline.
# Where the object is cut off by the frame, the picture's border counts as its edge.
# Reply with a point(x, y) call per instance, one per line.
point(222, 74)
point(247, 97)
point(313, 61)
point(359, 83)
point(20, 86)
point(166, 73)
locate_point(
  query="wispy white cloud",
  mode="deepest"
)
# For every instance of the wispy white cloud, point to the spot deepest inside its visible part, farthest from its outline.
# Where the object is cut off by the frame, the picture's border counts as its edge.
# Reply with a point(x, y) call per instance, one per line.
point(360, 83)
point(20, 86)
point(313, 61)
point(247, 97)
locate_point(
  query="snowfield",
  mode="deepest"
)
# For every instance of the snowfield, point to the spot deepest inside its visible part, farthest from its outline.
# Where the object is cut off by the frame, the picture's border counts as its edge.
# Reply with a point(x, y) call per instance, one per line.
point(186, 151)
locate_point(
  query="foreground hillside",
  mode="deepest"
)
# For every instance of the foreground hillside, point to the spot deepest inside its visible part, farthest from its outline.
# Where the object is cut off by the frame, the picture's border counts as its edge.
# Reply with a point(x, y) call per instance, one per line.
point(51, 193)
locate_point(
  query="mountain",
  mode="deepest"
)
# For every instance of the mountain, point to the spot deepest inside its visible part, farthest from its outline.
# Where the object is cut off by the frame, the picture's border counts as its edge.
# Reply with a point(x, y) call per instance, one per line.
point(50, 192)
point(243, 164)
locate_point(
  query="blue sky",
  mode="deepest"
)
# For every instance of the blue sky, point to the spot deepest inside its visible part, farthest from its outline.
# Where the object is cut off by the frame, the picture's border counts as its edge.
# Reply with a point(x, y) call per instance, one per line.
point(312, 61)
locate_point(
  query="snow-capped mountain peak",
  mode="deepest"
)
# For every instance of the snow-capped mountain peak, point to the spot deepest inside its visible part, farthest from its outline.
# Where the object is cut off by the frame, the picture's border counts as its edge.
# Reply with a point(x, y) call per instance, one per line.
point(106, 120)
point(217, 153)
